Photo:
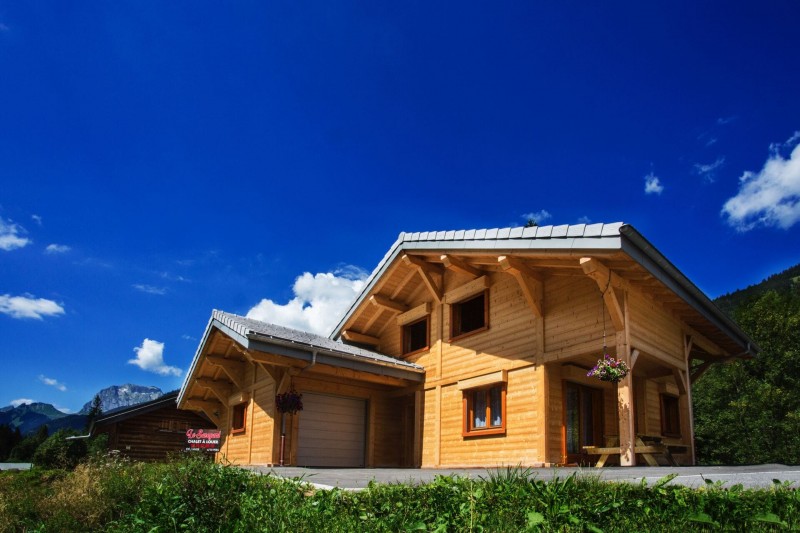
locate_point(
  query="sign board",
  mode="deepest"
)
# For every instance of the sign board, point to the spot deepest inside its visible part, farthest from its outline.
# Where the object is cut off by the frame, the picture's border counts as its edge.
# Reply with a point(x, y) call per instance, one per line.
point(205, 440)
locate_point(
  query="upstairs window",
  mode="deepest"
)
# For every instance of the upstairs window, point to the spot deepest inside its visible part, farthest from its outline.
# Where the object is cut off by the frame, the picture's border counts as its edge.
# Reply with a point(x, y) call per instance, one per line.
point(238, 418)
point(415, 337)
point(670, 416)
point(470, 315)
point(484, 411)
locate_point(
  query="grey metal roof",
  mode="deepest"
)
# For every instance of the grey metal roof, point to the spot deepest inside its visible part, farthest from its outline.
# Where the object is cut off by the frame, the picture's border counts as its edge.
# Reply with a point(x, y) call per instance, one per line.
point(588, 237)
point(122, 413)
point(271, 338)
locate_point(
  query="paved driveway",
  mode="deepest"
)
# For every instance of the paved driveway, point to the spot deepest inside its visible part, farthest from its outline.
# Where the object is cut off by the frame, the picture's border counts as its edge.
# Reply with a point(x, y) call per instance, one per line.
point(759, 476)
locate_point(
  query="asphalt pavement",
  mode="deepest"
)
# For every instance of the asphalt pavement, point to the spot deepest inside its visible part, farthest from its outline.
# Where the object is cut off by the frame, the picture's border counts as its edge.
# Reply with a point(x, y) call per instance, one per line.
point(756, 476)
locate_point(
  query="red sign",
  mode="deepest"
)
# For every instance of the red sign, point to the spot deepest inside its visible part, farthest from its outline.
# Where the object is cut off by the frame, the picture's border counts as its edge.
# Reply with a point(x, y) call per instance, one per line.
point(206, 440)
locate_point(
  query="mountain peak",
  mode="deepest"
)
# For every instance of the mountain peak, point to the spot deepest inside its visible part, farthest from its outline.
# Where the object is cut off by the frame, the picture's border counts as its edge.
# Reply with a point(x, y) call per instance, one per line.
point(117, 396)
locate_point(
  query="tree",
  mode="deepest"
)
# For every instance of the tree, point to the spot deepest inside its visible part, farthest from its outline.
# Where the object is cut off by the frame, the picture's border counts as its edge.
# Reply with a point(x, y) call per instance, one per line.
point(95, 411)
point(748, 411)
point(531, 223)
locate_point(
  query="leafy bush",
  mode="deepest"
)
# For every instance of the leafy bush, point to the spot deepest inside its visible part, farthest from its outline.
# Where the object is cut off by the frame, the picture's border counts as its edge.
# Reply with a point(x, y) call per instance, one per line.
point(116, 495)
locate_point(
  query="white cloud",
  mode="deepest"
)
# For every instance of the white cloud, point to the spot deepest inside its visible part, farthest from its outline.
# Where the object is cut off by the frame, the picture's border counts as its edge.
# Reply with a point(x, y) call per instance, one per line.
point(770, 197)
point(537, 216)
point(37, 219)
point(57, 249)
point(320, 300)
point(28, 307)
point(52, 382)
point(22, 401)
point(584, 220)
point(150, 289)
point(709, 172)
point(726, 120)
point(65, 410)
point(10, 238)
point(652, 184)
point(188, 337)
point(150, 357)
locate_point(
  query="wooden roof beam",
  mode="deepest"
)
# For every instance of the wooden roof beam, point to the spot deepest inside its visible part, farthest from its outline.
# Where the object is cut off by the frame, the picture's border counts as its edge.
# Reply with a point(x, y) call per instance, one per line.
point(233, 369)
point(529, 281)
point(387, 303)
point(426, 272)
point(360, 338)
point(607, 281)
point(220, 389)
point(211, 409)
point(459, 265)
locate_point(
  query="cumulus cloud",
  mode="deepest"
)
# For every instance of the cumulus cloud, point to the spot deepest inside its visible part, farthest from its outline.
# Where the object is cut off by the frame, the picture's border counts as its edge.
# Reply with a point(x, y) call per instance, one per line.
point(57, 249)
point(150, 289)
point(53, 383)
point(37, 219)
point(11, 235)
point(652, 184)
point(709, 172)
point(150, 358)
point(771, 196)
point(537, 216)
point(22, 401)
point(28, 307)
point(320, 300)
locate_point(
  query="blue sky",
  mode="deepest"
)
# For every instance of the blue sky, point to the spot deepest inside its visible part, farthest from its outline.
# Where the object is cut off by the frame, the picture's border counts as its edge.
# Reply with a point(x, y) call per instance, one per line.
point(162, 159)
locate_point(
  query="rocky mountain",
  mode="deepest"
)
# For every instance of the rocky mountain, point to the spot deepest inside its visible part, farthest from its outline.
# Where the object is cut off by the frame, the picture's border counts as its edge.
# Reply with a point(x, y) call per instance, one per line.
point(118, 396)
point(28, 417)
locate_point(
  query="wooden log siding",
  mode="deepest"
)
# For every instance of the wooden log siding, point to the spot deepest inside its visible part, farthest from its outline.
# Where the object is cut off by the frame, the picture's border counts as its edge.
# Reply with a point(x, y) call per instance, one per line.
point(144, 438)
point(574, 318)
point(654, 330)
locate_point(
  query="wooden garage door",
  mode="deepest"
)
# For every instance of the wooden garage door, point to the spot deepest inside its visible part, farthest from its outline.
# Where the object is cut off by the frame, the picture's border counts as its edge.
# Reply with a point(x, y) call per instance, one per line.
point(332, 431)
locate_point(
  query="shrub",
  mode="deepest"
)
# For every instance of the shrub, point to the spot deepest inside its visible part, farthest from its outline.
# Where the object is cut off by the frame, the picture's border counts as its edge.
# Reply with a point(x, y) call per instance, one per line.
point(58, 451)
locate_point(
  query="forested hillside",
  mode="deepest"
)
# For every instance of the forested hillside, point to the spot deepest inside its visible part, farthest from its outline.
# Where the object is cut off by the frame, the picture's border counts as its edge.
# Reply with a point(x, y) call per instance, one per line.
point(749, 411)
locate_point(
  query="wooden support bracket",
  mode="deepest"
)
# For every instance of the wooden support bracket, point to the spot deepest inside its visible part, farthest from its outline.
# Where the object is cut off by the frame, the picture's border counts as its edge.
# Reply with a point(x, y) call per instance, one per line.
point(608, 282)
point(529, 281)
point(680, 380)
point(211, 409)
point(234, 369)
point(354, 336)
point(459, 265)
point(388, 303)
point(427, 272)
point(220, 389)
point(699, 370)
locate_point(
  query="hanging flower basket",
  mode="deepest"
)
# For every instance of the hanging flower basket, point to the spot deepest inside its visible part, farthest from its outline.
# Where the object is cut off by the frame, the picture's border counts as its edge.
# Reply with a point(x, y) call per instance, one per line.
point(289, 402)
point(609, 369)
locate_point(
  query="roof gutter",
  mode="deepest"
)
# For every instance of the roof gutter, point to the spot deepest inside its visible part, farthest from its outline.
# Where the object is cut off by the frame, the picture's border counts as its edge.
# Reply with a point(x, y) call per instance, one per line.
point(635, 245)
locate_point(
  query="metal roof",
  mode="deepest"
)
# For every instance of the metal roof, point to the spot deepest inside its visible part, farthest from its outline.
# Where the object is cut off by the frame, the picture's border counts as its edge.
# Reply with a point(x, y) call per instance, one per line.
point(271, 338)
point(584, 237)
point(122, 413)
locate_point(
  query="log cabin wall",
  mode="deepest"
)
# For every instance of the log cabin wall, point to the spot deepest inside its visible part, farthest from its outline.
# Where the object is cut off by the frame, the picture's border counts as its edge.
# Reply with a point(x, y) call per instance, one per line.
point(154, 435)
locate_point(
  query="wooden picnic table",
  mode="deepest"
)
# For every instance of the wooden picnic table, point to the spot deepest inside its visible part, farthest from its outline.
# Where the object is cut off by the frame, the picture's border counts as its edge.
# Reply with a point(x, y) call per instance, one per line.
point(648, 446)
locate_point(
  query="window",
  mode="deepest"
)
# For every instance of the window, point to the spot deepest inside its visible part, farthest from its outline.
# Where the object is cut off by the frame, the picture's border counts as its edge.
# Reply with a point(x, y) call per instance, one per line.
point(469, 315)
point(415, 336)
point(238, 418)
point(485, 411)
point(670, 416)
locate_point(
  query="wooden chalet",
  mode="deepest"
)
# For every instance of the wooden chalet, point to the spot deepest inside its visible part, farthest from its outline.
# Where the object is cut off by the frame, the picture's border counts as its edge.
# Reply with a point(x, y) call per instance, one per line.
point(149, 431)
point(471, 348)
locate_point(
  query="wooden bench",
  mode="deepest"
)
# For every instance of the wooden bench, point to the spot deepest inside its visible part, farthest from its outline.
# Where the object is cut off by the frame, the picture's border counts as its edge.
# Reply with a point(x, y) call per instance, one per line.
point(647, 447)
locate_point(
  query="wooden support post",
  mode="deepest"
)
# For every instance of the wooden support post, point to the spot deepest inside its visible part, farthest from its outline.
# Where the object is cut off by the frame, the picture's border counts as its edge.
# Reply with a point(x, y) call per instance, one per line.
point(625, 396)
point(688, 387)
point(419, 414)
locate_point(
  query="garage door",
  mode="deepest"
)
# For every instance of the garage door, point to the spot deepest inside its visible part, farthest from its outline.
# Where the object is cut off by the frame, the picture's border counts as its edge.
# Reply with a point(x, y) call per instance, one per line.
point(332, 431)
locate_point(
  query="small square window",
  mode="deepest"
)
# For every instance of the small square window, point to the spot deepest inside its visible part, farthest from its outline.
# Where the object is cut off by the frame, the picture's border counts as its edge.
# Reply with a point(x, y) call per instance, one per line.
point(415, 336)
point(670, 416)
point(238, 418)
point(469, 315)
point(484, 411)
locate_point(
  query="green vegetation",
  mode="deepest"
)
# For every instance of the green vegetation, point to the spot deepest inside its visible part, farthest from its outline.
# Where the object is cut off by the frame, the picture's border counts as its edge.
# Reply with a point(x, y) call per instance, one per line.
point(748, 412)
point(193, 494)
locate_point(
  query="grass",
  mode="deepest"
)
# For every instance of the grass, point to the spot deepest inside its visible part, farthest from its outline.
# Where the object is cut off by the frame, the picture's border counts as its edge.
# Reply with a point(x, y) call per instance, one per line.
point(190, 494)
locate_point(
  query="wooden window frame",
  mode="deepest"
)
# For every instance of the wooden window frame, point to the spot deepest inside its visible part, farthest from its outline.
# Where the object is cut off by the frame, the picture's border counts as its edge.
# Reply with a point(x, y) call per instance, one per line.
point(665, 429)
point(468, 430)
point(404, 335)
point(455, 316)
point(239, 430)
